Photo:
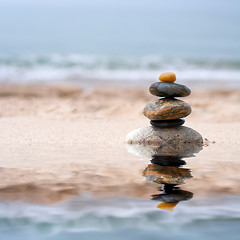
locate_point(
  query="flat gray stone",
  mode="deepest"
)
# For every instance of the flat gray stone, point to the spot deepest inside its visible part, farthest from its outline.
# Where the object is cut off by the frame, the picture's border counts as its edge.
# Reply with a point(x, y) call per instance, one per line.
point(165, 89)
point(151, 141)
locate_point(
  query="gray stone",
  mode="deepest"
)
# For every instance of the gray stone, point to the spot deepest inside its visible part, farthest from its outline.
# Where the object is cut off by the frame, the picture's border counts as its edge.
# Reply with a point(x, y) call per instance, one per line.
point(165, 89)
point(151, 141)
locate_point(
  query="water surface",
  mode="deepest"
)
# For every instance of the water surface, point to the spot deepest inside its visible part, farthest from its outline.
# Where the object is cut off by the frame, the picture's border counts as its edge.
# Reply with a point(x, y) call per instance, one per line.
point(113, 200)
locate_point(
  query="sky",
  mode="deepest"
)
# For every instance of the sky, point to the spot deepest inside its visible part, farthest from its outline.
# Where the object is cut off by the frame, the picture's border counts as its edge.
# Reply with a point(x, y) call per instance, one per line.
point(183, 27)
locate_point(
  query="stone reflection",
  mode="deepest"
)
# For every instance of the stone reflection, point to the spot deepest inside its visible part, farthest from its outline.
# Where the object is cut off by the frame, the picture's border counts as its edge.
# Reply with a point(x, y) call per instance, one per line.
point(166, 174)
point(167, 171)
point(167, 168)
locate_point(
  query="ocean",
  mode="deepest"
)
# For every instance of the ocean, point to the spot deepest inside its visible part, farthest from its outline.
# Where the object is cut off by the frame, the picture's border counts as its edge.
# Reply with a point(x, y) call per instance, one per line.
point(119, 42)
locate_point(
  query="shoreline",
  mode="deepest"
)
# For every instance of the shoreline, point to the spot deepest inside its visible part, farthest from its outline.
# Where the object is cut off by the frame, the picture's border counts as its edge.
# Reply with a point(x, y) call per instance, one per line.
point(91, 84)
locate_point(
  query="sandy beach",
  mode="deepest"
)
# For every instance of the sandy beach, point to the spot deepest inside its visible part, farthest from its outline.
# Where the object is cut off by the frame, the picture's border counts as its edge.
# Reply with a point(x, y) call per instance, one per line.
point(62, 141)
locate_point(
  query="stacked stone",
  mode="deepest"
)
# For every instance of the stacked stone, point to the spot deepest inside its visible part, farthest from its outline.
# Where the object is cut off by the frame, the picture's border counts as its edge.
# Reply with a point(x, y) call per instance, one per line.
point(167, 112)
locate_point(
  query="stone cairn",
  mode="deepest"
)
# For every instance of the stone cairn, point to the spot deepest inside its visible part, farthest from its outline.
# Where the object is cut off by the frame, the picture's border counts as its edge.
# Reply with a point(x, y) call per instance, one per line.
point(167, 112)
point(166, 117)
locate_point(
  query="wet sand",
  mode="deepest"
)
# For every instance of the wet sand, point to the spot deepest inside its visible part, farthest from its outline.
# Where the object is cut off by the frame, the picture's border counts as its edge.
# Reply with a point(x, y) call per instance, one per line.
point(59, 142)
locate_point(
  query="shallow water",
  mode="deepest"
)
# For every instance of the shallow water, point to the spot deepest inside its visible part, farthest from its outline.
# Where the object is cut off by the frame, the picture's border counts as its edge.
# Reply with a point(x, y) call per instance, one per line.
point(112, 200)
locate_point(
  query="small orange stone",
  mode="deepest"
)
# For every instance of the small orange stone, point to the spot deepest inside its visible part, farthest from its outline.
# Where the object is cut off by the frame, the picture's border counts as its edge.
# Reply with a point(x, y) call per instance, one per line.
point(167, 205)
point(167, 77)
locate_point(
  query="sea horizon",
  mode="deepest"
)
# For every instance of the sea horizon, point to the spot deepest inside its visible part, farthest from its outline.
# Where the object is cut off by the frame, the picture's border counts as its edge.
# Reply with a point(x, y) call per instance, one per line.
point(76, 41)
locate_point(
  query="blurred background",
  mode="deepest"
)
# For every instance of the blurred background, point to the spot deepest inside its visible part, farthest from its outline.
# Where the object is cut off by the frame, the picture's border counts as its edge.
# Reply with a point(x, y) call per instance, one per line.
point(119, 42)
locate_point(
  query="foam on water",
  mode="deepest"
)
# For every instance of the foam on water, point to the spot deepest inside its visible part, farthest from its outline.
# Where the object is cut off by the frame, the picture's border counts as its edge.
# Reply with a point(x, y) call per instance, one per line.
point(87, 213)
point(74, 67)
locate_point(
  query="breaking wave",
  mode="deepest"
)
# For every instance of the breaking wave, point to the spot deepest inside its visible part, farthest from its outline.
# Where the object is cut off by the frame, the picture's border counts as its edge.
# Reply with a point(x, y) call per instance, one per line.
point(73, 68)
point(87, 213)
